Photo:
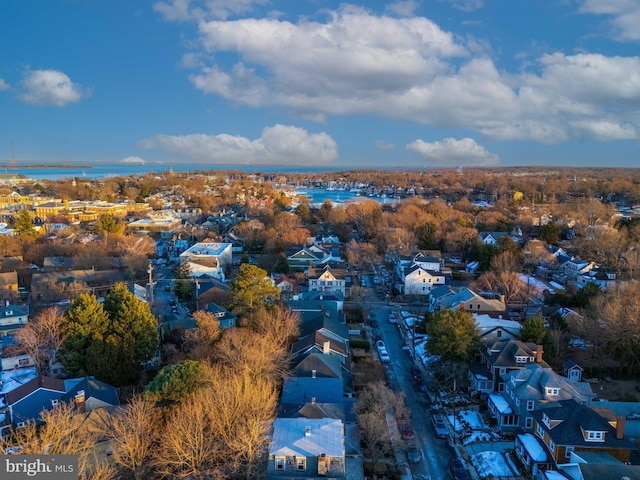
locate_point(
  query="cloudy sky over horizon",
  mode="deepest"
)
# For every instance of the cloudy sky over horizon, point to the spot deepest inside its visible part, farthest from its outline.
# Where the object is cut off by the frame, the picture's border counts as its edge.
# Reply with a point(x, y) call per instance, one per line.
point(431, 83)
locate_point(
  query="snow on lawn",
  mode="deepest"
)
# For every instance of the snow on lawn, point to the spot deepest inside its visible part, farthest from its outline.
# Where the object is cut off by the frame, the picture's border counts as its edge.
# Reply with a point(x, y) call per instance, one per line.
point(470, 427)
point(491, 464)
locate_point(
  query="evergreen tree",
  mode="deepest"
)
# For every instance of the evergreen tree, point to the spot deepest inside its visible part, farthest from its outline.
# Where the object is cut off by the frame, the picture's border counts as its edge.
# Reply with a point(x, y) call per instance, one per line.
point(252, 288)
point(24, 225)
point(534, 331)
point(175, 382)
point(183, 276)
point(453, 335)
point(110, 341)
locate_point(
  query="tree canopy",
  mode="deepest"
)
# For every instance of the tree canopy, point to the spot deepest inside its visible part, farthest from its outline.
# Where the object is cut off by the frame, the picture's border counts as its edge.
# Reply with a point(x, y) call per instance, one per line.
point(109, 341)
point(251, 288)
point(24, 225)
point(453, 335)
point(175, 382)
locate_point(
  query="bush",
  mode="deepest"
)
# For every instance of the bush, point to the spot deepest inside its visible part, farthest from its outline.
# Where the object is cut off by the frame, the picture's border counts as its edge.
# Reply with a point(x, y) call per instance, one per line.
point(361, 344)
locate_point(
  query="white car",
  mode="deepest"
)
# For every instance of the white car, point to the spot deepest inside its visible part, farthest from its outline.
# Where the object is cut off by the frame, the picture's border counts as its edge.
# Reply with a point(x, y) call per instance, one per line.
point(384, 356)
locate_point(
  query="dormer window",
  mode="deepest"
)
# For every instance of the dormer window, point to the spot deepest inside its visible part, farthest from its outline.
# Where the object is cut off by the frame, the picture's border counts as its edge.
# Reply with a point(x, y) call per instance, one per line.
point(552, 391)
point(594, 436)
point(521, 359)
point(546, 420)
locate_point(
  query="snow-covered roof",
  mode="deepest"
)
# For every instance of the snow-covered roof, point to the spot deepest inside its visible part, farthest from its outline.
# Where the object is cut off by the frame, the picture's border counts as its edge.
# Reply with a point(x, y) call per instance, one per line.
point(290, 438)
point(533, 447)
point(12, 379)
point(500, 403)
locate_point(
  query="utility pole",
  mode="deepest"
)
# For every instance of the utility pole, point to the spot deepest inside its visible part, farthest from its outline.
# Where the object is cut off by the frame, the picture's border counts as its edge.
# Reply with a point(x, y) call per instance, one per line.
point(150, 284)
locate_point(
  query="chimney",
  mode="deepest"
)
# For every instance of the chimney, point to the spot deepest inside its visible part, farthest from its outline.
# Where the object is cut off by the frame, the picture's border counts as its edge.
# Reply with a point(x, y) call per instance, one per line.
point(80, 399)
point(503, 299)
point(313, 374)
point(313, 400)
point(326, 347)
point(539, 352)
point(620, 428)
point(307, 432)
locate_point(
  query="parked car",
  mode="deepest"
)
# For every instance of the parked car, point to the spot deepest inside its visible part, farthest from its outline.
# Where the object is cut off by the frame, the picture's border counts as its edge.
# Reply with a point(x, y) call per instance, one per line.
point(458, 469)
point(439, 427)
point(384, 356)
point(392, 318)
point(413, 453)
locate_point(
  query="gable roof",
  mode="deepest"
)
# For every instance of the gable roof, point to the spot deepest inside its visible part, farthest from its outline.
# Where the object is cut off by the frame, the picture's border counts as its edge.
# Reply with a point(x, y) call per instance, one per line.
point(532, 381)
point(324, 365)
point(317, 340)
point(326, 436)
point(323, 321)
point(344, 411)
point(93, 389)
point(574, 418)
point(37, 383)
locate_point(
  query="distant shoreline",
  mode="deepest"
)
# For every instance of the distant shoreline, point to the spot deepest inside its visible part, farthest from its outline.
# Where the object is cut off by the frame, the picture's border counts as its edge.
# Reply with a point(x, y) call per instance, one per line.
point(43, 165)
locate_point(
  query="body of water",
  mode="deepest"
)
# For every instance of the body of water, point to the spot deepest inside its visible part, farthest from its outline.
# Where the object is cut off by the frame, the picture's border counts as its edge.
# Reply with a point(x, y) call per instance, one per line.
point(102, 170)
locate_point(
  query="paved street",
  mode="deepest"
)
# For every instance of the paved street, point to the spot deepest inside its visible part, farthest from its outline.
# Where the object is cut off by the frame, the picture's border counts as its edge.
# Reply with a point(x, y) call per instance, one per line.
point(436, 452)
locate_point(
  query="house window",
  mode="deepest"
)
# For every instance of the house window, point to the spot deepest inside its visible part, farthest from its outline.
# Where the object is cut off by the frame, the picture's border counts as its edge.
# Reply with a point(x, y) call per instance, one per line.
point(54, 402)
point(530, 404)
point(528, 422)
point(23, 362)
point(552, 391)
point(279, 464)
point(567, 452)
point(546, 420)
point(598, 436)
point(301, 464)
point(499, 333)
point(510, 420)
point(501, 387)
point(552, 446)
point(540, 431)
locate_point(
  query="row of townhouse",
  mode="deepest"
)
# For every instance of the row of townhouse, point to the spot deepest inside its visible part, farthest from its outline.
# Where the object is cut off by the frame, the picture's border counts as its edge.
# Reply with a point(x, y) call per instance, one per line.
point(315, 431)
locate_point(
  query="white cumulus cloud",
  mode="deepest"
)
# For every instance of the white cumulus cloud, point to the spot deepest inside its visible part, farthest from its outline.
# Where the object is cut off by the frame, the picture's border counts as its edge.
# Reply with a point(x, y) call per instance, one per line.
point(623, 16)
point(278, 145)
point(50, 87)
point(352, 62)
point(454, 152)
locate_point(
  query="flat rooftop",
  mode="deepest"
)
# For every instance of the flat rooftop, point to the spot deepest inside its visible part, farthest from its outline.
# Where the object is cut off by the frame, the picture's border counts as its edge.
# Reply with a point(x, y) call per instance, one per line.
point(207, 249)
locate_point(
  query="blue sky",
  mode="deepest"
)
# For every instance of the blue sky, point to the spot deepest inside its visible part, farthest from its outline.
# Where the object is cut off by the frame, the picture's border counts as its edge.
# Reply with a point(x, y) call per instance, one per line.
point(431, 83)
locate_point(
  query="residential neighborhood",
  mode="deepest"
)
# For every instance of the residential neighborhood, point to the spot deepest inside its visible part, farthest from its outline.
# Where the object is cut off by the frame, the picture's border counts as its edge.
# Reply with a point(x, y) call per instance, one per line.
point(452, 331)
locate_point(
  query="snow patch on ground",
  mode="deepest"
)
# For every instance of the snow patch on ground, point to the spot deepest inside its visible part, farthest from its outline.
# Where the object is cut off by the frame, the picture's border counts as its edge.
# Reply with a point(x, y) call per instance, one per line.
point(491, 464)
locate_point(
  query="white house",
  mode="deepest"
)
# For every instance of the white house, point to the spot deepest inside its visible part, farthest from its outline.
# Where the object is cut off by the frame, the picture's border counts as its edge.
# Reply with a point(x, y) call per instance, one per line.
point(208, 259)
point(326, 279)
point(418, 281)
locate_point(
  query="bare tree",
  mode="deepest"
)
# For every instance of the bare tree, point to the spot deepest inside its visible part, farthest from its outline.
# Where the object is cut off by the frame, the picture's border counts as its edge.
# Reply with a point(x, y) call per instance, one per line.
point(133, 432)
point(42, 338)
point(59, 433)
point(188, 446)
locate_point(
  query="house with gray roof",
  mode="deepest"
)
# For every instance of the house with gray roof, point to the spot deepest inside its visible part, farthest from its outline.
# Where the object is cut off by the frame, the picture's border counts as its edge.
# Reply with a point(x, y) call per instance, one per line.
point(320, 343)
point(88, 393)
point(25, 403)
point(318, 378)
point(469, 301)
point(526, 390)
point(224, 316)
point(498, 358)
point(567, 426)
point(307, 448)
